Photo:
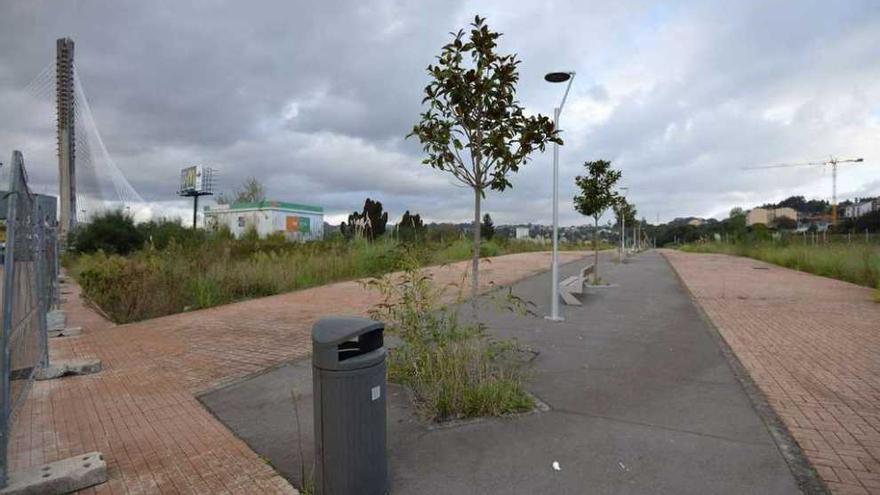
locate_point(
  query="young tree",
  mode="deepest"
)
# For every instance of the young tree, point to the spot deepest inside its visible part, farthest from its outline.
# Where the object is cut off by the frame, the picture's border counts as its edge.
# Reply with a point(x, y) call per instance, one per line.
point(370, 222)
point(597, 194)
point(488, 227)
point(474, 128)
point(410, 228)
point(624, 210)
point(378, 218)
point(251, 191)
point(737, 223)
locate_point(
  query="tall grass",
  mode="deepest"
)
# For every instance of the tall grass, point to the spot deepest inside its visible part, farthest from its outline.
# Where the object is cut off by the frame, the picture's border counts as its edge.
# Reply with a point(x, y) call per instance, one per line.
point(856, 263)
point(154, 282)
point(151, 283)
point(454, 370)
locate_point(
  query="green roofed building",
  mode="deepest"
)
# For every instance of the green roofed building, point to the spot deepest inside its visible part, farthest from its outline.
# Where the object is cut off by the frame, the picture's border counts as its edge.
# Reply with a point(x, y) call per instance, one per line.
point(298, 222)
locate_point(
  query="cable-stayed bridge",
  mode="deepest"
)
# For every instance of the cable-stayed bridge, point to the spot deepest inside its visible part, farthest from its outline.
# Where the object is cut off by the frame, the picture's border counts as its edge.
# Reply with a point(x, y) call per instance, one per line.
point(89, 181)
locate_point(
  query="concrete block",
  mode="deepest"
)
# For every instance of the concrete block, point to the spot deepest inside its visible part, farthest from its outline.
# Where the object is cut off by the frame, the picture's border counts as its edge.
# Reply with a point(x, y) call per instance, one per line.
point(56, 319)
point(58, 369)
point(66, 332)
point(64, 476)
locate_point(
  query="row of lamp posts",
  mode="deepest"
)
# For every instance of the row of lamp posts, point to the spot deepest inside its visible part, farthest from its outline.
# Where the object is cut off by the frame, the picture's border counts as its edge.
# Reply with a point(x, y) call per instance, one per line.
point(561, 77)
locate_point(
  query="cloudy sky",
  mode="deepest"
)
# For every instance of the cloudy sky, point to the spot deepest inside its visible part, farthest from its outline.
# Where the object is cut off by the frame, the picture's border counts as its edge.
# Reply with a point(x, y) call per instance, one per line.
point(315, 98)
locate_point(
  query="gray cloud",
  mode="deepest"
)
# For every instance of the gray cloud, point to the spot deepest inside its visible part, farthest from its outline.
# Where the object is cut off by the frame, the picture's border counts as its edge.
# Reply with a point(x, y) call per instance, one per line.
point(315, 98)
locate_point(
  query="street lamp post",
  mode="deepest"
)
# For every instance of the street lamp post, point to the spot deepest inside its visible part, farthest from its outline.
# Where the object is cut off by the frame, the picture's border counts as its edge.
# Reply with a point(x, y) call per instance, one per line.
point(556, 77)
point(622, 228)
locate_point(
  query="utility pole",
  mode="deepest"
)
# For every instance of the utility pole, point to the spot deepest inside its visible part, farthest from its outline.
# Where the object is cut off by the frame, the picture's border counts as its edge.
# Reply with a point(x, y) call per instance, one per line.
point(65, 98)
point(656, 226)
point(622, 226)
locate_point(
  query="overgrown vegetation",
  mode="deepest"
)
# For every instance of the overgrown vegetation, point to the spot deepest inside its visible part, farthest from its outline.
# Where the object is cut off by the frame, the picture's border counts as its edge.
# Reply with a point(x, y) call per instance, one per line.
point(113, 232)
point(856, 263)
point(174, 268)
point(454, 369)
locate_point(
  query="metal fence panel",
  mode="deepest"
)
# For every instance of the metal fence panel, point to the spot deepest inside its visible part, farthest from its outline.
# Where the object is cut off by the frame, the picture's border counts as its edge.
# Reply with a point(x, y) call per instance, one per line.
point(29, 291)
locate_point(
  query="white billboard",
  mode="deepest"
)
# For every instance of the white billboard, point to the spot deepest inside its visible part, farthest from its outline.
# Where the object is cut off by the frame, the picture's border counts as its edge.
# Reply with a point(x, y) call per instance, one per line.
point(196, 180)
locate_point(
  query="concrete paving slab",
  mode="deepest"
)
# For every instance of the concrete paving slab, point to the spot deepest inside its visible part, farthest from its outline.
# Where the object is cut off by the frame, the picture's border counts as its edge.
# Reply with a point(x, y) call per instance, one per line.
point(57, 478)
point(69, 367)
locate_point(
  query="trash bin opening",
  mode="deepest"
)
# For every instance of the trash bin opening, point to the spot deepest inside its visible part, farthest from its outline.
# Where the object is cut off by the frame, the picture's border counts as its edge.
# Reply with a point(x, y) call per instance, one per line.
point(365, 343)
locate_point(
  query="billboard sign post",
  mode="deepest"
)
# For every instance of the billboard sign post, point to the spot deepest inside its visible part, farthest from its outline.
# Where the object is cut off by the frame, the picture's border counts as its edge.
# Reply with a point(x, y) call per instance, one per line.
point(196, 181)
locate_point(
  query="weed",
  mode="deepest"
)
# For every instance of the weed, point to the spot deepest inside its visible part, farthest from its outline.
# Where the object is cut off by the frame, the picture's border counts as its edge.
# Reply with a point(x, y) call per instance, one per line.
point(168, 276)
point(454, 370)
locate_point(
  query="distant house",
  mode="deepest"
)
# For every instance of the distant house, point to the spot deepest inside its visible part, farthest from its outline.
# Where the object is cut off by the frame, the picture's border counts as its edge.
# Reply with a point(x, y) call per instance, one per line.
point(769, 216)
point(862, 208)
point(297, 222)
point(522, 232)
point(819, 222)
point(696, 222)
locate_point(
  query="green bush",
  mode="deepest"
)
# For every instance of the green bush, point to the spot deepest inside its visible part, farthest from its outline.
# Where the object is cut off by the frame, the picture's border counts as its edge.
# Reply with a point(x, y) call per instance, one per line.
point(111, 232)
point(131, 288)
point(454, 370)
point(159, 234)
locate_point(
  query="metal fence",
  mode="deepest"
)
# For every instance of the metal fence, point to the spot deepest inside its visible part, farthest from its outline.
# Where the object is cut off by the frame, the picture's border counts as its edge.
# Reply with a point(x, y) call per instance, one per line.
point(29, 291)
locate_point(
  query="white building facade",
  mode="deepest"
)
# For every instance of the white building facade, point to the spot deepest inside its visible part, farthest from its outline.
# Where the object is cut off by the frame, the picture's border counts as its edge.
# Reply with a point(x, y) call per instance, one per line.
point(298, 222)
point(863, 208)
point(768, 216)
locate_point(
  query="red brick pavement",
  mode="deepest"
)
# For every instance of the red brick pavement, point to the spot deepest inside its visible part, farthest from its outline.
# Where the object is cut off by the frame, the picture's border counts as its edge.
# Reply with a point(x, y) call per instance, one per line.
point(141, 411)
point(812, 344)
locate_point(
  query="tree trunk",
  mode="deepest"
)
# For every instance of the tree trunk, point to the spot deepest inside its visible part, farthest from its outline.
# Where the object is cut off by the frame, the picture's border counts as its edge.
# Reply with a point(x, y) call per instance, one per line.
point(475, 262)
point(596, 251)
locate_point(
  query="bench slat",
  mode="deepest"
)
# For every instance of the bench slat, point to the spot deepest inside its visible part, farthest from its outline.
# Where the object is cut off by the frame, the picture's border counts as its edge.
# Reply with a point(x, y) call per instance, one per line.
point(569, 299)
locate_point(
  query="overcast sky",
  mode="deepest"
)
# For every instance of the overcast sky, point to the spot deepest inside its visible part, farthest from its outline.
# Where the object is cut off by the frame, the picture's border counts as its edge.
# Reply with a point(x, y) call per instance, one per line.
point(315, 98)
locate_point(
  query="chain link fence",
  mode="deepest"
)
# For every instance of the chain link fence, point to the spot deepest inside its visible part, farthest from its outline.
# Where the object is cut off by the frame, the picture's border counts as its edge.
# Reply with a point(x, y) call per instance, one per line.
point(29, 291)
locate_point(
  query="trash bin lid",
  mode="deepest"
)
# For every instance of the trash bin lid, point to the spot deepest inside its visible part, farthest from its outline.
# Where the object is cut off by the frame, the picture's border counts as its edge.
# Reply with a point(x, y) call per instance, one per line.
point(347, 342)
point(335, 329)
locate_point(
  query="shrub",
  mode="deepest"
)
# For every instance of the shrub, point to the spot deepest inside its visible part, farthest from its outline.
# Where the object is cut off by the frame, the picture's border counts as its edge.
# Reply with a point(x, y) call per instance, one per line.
point(454, 370)
point(111, 232)
point(131, 288)
point(160, 233)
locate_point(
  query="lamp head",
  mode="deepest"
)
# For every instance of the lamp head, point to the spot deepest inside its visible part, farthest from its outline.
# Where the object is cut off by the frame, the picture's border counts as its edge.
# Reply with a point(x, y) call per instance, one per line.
point(557, 77)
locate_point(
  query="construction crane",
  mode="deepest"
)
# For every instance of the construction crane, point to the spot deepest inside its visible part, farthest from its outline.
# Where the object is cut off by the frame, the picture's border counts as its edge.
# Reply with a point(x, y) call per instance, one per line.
point(834, 162)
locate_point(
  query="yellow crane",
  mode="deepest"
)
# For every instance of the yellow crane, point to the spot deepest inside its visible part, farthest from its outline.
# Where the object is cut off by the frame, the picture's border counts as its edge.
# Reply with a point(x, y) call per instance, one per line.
point(833, 162)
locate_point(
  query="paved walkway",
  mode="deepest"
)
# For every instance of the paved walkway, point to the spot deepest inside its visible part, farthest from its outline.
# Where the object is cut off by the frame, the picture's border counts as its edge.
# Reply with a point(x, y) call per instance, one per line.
point(812, 345)
point(141, 411)
point(642, 400)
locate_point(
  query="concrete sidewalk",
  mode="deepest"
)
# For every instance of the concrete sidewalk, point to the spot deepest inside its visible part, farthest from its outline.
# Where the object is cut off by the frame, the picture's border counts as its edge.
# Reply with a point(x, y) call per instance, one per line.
point(642, 401)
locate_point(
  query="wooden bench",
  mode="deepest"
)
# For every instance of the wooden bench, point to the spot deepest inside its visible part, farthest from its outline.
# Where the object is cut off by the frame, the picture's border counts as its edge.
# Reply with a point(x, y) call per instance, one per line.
point(574, 285)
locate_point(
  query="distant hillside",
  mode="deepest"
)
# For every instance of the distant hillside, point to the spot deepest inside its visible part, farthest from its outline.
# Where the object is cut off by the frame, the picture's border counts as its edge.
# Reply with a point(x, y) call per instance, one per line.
point(802, 205)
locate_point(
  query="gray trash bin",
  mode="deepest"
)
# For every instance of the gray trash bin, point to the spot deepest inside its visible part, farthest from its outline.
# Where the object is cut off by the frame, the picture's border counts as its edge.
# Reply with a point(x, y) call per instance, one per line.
point(348, 373)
